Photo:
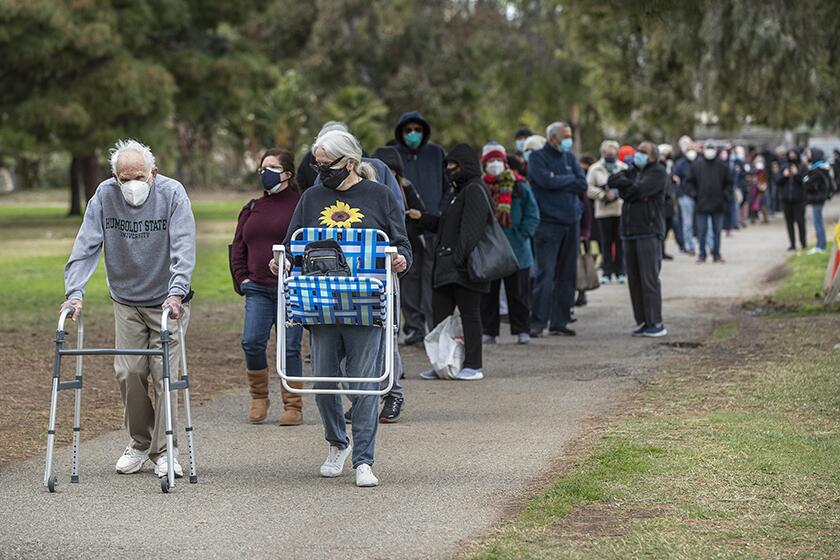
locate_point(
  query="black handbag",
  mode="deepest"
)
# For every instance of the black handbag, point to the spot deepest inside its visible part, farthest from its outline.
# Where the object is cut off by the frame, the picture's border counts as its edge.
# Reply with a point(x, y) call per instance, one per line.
point(324, 258)
point(492, 258)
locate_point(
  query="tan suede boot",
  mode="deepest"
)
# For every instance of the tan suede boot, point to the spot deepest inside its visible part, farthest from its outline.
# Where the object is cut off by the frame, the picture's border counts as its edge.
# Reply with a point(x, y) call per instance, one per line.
point(292, 405)
point(258, 383)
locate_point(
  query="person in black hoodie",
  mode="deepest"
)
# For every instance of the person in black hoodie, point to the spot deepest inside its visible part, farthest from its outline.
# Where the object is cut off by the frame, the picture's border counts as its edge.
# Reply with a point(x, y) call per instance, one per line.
point(792, 196)
point(709, 183)
point(459, 229)
point(819, 187)
point(642, 188)
point(423, 166)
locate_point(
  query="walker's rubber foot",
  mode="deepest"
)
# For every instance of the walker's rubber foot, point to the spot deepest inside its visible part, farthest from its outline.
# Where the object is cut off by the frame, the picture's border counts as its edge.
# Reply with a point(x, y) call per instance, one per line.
point(164, 484)
point(74, 479)
point(193, 479)
point(52, 483)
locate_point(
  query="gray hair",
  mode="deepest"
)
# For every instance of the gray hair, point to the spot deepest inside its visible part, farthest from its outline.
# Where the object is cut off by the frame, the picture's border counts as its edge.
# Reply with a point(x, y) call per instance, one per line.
point(535, 142)
point(654, 151)
point(607, 144)
point(339, 143)
point(131, 145)
point(555, 128)
point(329, 126)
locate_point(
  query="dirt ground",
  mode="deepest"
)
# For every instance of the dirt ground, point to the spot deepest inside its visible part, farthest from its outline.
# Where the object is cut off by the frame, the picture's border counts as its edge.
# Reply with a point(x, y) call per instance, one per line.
point(215, 365)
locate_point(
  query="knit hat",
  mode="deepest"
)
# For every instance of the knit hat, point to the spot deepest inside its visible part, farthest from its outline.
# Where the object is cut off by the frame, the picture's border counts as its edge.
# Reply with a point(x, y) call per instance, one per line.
point(625, 151)
point(493, 150)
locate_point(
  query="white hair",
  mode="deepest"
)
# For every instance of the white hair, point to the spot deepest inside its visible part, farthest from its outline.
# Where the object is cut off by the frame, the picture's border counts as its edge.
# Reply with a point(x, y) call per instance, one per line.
point(607, 144)
point(132, 145)
point(339, 143)
point(535, 142)
point(555, 128)
point(329, 126)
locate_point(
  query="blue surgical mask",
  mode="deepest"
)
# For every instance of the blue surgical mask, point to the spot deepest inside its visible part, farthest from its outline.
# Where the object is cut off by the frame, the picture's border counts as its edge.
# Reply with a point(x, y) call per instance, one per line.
point(520, 145)
point(526, 154)
point(413, 139)
point(609, 159)
point(566, 144)
point(640, 159)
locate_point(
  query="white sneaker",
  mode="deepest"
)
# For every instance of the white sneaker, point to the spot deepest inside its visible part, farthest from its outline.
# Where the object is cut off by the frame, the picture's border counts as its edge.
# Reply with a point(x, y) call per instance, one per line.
point(334, 463)
point(487, 339)
point(365, 477)
point(469, 374)
point(162, 467)
point(815, 250)
point(131, 461)
point(429, 374)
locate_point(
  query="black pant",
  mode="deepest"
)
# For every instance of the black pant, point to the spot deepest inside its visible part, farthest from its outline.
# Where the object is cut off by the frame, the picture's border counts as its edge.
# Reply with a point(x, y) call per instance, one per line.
point(518, 292)
point(795, 214)
point(416, 288)
point(612, 257)
point(444, 300)
point(644, 261)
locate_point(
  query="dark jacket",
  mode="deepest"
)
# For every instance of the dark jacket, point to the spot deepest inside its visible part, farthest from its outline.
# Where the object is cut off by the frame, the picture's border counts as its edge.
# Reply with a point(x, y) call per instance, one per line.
point(411, 198)
point(817, 182)
point(643, 192)
point(462, 223)
point(423, 166)
point(681, 169)
point(790, 187)
point(557, 181)
point(709, 183)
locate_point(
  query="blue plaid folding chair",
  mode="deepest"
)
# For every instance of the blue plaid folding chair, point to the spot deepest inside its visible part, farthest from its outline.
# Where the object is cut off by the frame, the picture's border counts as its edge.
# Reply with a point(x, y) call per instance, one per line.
point(364, 298)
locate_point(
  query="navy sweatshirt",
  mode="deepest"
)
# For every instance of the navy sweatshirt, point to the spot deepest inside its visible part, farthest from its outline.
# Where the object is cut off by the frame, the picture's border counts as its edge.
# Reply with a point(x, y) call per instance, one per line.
point(424, 166)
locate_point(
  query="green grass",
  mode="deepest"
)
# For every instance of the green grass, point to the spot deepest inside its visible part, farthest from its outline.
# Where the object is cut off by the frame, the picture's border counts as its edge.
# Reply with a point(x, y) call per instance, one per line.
point(805, 281)
point(36, 242)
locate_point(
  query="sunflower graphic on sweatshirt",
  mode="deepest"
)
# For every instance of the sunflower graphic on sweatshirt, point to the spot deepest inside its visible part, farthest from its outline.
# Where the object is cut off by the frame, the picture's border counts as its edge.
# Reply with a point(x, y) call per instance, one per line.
point(340, 215)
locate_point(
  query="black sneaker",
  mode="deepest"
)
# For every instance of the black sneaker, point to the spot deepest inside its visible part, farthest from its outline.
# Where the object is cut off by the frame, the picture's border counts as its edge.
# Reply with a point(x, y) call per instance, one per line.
point(391, 409)
point(348, 416)
point(414, 338)
point(562, 331)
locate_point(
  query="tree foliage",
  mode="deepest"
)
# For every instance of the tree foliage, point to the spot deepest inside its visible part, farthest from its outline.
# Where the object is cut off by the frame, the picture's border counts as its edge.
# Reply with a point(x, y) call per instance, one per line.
point(214, 82)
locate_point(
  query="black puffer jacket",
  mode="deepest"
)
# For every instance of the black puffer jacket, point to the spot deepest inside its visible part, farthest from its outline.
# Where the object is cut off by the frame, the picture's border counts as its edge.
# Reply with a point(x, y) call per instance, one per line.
point(461, 224)
point(643, 192)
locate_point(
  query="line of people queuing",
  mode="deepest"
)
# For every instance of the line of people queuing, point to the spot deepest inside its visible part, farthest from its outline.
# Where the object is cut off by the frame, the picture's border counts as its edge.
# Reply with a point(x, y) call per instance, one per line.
point(435, 206)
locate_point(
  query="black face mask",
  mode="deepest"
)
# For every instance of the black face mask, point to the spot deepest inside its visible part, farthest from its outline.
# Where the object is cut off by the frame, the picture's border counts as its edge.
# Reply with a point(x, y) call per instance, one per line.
point(331, 178)
point(454, 176)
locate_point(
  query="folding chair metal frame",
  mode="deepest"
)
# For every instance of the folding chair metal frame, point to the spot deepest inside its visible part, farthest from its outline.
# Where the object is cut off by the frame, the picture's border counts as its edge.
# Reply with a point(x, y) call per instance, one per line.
point(166, 482)
point(389, 326)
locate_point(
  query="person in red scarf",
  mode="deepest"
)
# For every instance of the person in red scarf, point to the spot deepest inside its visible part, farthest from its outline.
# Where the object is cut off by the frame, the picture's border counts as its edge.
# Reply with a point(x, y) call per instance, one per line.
point(517, 213)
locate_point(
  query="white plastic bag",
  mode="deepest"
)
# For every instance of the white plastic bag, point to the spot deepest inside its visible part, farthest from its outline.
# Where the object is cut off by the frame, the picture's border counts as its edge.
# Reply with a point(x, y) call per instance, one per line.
point(445, 347)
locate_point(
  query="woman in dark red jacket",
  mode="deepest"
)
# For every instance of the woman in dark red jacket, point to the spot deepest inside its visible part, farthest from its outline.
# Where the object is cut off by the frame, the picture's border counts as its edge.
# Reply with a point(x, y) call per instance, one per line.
point(262, 223)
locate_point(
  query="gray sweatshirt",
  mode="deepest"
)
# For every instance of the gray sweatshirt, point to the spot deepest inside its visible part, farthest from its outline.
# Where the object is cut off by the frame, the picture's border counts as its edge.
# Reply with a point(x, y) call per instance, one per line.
point(149, 250)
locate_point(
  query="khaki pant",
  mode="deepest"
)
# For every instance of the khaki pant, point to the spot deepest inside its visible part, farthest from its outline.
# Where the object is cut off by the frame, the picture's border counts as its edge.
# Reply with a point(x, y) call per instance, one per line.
point(139, 327)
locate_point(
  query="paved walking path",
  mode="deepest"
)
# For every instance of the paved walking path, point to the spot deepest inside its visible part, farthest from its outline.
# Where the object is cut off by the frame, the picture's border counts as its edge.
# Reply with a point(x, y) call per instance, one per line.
point(461, 452)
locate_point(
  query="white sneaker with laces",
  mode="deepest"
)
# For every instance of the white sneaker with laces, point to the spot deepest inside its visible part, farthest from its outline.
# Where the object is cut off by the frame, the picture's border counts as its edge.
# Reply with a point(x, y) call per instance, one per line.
point(131, 461)
point(429, 374)
point(365, 477)
point(162, 467)
point(334, 463)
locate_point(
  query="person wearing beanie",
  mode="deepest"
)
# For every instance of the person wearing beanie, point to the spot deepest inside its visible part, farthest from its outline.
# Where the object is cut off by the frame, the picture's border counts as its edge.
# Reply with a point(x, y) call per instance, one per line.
point(516, 210)
point(608, 208)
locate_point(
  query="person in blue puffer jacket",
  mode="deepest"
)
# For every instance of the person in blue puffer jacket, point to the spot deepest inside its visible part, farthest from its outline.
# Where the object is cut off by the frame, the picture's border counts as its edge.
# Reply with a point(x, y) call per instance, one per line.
point(557, 181)
point(517, 212)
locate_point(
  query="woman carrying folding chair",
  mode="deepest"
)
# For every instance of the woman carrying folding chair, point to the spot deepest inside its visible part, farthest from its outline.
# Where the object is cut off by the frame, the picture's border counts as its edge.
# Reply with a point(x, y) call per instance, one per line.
point(348, 197)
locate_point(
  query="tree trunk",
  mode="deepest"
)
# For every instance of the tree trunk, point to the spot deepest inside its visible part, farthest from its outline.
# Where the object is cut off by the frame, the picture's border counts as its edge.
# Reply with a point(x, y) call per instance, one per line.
point(75, 188)
point(91, 174)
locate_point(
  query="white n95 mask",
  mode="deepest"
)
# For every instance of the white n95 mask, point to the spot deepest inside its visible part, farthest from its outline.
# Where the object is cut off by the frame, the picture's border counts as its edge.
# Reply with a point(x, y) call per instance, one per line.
point(135, 192)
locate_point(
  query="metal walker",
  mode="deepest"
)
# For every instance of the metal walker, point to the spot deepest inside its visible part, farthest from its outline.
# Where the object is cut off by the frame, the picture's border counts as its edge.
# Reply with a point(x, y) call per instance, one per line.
point(167, 482)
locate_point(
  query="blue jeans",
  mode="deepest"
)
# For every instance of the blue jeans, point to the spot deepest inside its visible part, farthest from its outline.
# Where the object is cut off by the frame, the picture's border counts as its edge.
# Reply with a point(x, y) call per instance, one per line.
point(556, 248)
point(260, 316)
point(687, 215)
point(819, 225)
point(363, 352)
point(703, 219)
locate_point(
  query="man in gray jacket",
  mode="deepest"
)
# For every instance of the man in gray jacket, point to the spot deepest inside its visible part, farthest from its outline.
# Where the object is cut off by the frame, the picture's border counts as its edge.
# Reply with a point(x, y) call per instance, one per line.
point(145, 223)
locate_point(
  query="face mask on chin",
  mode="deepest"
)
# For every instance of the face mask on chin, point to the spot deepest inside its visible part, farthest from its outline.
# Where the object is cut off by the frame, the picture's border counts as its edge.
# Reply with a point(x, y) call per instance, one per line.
point(135, 192)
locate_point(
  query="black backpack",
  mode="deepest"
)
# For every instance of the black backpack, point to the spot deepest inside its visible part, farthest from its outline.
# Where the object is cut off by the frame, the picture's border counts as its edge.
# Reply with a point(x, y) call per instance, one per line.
point(324, 258)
